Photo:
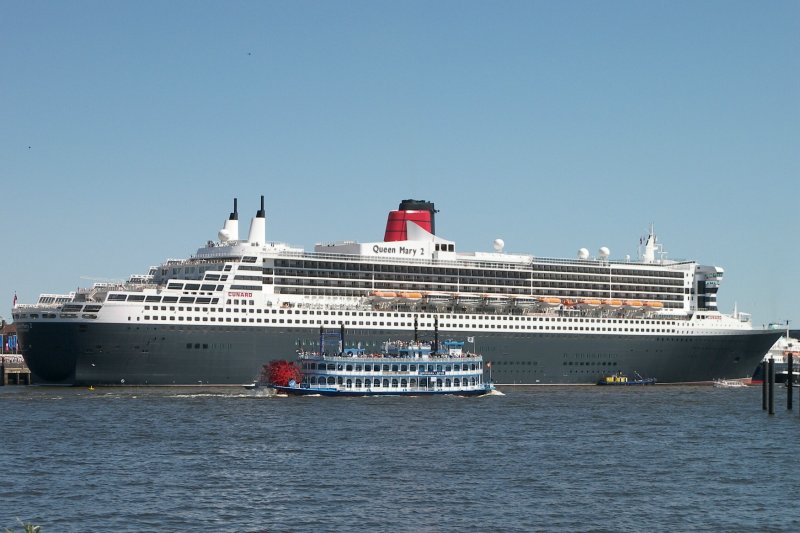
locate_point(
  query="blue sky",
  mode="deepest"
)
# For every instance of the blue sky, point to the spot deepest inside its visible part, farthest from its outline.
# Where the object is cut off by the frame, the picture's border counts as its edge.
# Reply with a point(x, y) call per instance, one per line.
point(126, 128)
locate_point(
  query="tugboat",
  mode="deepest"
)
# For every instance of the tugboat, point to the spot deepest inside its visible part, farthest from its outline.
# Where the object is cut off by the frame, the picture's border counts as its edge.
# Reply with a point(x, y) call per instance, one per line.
point(401, 368)
point(621, 379)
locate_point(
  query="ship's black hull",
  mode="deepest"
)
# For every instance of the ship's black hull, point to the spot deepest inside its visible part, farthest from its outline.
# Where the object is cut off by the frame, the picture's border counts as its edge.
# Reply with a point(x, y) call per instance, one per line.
point(73, 353)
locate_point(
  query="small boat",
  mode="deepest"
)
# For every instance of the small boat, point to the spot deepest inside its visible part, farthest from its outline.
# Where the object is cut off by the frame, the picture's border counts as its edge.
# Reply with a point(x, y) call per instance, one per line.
point(383, 295)
point(587, 303)
point(729, 383)
point(621, 379)
point(550, 301)
point(414, 296)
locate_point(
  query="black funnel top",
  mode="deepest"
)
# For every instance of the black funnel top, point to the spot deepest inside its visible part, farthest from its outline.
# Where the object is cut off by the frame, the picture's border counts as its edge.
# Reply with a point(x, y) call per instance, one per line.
point(235, 214)
point(260, 213)
point(420, 205)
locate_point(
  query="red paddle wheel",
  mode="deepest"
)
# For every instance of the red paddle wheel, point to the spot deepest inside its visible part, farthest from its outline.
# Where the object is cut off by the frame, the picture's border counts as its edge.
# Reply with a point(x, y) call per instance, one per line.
point(281, 373)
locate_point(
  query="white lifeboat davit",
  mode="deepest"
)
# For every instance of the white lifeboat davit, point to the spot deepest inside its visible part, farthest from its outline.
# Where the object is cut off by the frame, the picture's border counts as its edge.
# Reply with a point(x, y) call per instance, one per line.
point(469, 300)
point(438, 298)
point(495, 300)
point(524, 302)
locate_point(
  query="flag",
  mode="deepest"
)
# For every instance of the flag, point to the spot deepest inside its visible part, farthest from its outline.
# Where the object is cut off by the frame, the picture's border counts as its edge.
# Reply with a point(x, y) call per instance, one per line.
point(470, 339)
point(14, 305)
point(488, 364)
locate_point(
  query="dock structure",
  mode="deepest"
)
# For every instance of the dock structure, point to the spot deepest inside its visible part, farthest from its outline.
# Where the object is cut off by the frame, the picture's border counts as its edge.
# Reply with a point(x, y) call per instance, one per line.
point(14, 373)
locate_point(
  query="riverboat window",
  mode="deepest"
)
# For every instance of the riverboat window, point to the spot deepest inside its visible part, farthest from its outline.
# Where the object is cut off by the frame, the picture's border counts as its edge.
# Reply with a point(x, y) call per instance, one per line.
point(385, 383)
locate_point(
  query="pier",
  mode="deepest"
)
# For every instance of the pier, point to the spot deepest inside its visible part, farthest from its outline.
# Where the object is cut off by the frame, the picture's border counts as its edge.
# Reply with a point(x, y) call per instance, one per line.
point(14, 373)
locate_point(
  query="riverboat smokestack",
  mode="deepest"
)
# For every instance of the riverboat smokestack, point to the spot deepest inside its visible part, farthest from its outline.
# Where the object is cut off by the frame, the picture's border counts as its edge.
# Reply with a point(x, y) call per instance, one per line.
point(230, 231)
point(258, 226)
point(420, 212)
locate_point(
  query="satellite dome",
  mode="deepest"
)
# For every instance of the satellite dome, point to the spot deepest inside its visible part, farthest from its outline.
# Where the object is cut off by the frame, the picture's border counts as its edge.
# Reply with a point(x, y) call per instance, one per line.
point(498, 245)
point(224, 235)
point(604, 252)
point(583, 253)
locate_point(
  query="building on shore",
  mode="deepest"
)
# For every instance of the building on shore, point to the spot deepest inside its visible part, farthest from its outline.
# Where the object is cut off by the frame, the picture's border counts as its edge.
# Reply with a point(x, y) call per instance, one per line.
point(8, 338)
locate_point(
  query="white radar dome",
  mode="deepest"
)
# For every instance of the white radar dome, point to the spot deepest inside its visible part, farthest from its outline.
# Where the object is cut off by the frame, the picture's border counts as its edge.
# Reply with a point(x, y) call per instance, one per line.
point(583, 253)
point(604, 252)
point(224, 235)
point(498, 245)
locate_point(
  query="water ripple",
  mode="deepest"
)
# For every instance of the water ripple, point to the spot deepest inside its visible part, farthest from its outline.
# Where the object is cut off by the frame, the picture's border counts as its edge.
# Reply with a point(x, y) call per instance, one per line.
point(660, 459)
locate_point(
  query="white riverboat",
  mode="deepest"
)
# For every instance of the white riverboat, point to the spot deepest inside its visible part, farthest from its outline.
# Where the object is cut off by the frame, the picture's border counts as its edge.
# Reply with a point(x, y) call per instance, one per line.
point(402, 368)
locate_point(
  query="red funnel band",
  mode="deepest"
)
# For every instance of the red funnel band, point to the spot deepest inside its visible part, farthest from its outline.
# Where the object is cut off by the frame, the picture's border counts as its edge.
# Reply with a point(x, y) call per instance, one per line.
point(396, 224)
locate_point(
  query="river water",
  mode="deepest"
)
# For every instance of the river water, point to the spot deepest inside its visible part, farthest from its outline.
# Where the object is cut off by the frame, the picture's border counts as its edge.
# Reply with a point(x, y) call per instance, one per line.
point(663, 458)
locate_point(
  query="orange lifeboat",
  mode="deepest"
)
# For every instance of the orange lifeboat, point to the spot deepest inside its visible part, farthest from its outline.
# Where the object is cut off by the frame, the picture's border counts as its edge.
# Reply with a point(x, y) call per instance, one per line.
point(654, 305)
point(570, 303)
point(410, 295)
point(383, 295)
point(588, 302)
point(612, 302)
point(550, 300)
point(633, 303)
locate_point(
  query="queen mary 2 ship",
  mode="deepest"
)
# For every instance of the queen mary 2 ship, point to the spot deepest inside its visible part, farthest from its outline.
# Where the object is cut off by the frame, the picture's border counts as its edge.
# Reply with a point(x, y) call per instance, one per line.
point(218, 316)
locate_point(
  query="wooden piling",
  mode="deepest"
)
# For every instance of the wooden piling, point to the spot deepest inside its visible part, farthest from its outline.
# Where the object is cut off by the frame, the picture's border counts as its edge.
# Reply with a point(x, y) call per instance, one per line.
point(789, 384)
point(771, 387)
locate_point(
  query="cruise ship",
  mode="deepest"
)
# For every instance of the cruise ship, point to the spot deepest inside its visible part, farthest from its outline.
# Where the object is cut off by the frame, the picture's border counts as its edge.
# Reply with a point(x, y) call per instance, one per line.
point(218, 316)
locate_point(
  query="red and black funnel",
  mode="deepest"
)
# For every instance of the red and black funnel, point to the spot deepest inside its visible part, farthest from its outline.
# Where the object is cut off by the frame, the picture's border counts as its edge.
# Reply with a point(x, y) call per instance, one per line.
point(417, 211)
